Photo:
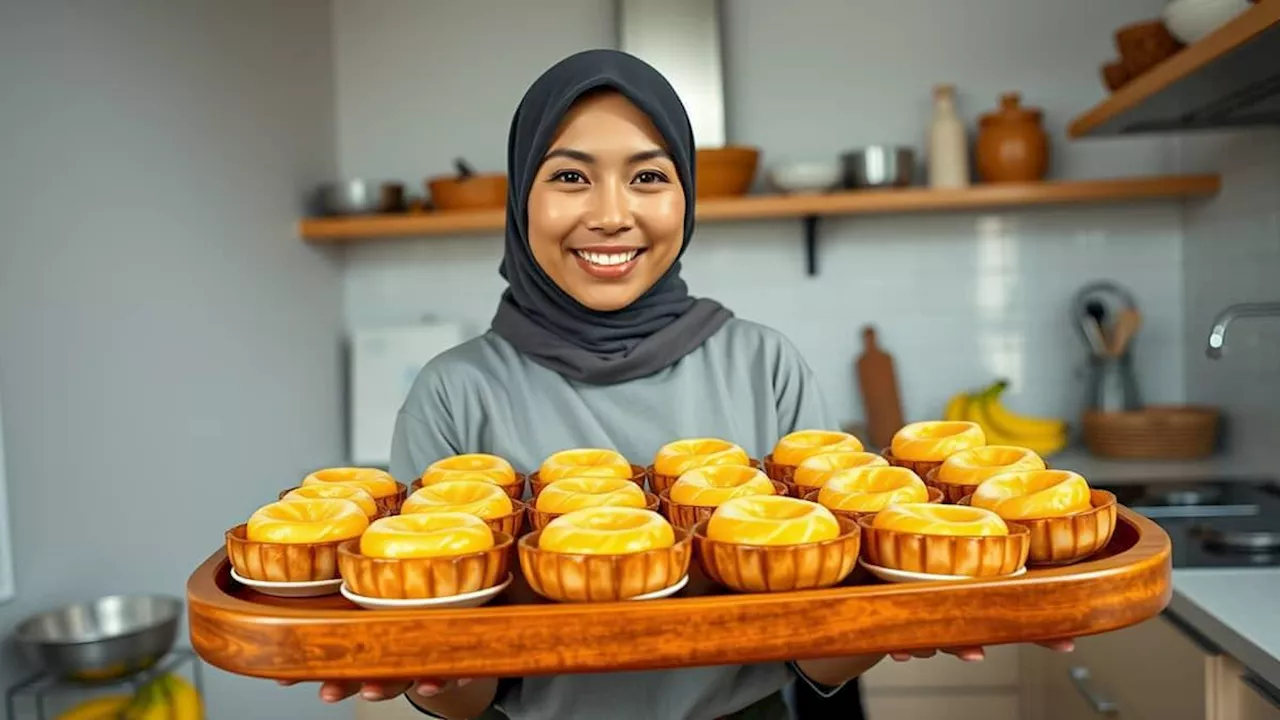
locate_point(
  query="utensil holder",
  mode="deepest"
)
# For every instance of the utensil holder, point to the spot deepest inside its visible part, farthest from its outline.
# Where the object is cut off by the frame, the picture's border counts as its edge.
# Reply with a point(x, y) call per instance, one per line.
point(1112, 386)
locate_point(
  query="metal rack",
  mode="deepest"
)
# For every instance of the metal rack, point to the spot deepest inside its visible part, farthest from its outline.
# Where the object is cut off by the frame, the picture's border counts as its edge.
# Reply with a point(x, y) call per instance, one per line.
point(41, 686)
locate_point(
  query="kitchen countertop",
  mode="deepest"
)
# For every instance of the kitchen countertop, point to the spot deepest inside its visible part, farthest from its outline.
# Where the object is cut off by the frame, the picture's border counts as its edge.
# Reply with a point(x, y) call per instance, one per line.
point(1224, 466)
point(1237, 610)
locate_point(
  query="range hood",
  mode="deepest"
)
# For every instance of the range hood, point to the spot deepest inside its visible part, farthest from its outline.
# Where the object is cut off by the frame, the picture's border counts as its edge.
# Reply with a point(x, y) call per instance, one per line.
point(1229, 79)
point(682, 39)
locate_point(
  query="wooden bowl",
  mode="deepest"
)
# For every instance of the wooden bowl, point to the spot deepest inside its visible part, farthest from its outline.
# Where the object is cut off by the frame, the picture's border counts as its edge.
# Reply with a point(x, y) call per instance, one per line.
point(778, 568)
point(1071, 538)
point(573, 577)
point(1154, 433)
point(515, 490)
point(487, 191)
point(638, 476)
point(686, 516)
point(919, 467)
point(1115, 75)
point(281, 562)
point(538, 519)
point(1144, 45)
point(658, 483)
point(972, 556)
point(935, 496)
point(725, 171)
point(383, 508)
point(428, 577)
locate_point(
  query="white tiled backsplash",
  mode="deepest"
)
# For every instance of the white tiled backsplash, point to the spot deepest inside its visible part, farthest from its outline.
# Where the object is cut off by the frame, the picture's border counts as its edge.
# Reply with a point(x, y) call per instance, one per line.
point(959, 299)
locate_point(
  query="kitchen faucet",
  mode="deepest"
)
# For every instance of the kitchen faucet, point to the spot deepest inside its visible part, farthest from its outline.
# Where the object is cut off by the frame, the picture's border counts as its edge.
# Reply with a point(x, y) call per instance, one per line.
point(1218, 335)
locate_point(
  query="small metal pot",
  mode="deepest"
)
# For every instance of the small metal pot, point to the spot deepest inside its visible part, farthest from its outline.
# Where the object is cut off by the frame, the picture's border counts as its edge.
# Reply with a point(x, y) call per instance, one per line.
point(107, 638)
point(360, 197)
point(879, 166)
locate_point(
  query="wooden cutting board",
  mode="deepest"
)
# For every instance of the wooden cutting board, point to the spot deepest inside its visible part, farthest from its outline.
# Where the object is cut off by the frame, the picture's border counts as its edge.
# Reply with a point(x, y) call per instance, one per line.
point(878, 382)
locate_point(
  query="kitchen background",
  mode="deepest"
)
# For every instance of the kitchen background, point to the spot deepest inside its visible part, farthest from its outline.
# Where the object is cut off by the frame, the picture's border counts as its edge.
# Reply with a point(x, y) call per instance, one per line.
point(169, 348)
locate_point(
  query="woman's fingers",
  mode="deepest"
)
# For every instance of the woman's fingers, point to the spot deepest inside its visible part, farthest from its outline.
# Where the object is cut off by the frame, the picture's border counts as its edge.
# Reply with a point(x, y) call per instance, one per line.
point(1059, 645)
point(335, 690)
point(967, 654)
point(907, 655)
point(384, 690)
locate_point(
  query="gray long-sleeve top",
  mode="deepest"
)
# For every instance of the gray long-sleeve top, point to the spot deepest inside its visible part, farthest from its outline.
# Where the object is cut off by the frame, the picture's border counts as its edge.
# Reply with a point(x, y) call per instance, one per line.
point(747, 384)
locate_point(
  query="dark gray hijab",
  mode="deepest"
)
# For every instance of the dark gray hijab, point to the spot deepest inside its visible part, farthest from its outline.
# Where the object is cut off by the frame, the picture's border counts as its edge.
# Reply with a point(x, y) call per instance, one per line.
point(535, 315)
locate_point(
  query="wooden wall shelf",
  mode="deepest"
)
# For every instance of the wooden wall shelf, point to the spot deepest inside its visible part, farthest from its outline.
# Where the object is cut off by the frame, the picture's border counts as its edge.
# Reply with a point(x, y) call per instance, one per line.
point(1229, 78)
point(350, 230)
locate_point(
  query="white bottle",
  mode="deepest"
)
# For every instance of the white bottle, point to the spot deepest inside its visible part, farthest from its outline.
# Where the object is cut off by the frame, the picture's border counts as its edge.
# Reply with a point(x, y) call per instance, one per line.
point(948, 143)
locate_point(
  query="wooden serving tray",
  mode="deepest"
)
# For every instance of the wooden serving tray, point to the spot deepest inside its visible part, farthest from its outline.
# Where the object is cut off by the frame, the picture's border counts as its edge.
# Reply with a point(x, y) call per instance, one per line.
point(519, 634)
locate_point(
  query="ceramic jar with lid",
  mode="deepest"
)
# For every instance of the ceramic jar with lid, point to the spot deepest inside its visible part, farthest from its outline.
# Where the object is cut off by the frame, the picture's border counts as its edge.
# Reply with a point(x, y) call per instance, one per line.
point(1012, 143)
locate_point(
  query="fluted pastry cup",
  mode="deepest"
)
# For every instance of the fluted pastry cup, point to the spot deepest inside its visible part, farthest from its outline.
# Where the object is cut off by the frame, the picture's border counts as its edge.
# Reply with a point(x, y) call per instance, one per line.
point(538, 519)
point(935, 496)
point(1071, 538)
point(424, 577)
point(588, 577)
point(967, 555)
point(919, 467)
point(281, 562)
point(514, 490)
point(686, 516)
point(658, 482)
point(778, 568)
point(638, 476)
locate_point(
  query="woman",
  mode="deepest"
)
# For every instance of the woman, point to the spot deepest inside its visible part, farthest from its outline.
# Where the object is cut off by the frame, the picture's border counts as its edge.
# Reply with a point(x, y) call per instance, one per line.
point(597, 343)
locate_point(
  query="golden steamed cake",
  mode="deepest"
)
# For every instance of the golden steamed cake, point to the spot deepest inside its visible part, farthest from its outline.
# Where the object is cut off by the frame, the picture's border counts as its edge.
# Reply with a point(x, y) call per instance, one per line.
point(584, 462)
point(814, 470)
point(771, 520)
point(793, 448)
point(378, 483)
point(972, 466)
point(1033, 494)
point(607, 530)
point(422, 535)
point(935, 440)
point(471, 466)
point(872, 489)
point(712, 485)
point(357, 495)
point(936, 519)
point(681, 456)
point(575, 493)
point(306, 521)
point(483, 499)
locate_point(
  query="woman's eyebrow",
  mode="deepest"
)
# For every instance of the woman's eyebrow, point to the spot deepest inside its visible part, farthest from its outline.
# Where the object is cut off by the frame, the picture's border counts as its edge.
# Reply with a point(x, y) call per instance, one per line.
point(588, 158)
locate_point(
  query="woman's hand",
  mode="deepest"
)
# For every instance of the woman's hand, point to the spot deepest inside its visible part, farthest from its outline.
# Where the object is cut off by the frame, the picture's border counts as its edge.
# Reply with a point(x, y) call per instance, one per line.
point(377, 690)
point(974, 654)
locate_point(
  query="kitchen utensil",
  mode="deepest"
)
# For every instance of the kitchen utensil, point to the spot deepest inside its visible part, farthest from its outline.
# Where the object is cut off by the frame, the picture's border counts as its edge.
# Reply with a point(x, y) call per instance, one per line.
point(1098, 301)
point(948, 142)
point(879, 166)
point(877, 380)
point(107, 638)
point(1153, 433)
point(1190, 20)
point(805, 177)
point(360, 197)
point(1093, 322)
point(1144, 45)
point(1126, 326)
point(725, 171)
point(468, 190)
point(1012, 144)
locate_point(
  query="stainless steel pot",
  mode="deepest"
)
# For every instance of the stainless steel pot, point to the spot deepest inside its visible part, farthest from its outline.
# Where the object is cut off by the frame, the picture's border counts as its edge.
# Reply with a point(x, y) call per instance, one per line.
point(360, 197)
point(107, 638)
point(879, 166)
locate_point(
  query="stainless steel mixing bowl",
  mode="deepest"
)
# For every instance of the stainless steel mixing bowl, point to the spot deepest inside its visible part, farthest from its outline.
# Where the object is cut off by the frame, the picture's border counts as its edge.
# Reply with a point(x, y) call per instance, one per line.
point(879, 166)
point(104, 639)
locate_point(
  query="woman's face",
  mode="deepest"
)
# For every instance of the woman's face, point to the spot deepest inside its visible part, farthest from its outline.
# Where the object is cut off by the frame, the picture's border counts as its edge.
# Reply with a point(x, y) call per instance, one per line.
point(606, 210)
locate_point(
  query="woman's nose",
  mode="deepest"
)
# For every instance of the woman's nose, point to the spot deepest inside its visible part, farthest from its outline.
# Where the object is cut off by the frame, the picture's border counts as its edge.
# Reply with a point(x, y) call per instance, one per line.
point(610, 211)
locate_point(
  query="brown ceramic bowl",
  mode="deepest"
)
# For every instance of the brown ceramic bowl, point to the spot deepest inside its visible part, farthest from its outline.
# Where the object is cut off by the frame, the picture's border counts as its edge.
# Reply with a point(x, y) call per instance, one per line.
point(538, 519)
point(428, 577)
point(919, 467)
point(1143, 45)
point(658, 483)
point(515, 490)
point(935, 496)
point(638, 475)
point(281, 562)
point(725, 171)
point(778, 568)
point(686, 516)
point(1071, 538)
point(574, 577)
point(968, 555)
point(384, 509)
point(485, 191)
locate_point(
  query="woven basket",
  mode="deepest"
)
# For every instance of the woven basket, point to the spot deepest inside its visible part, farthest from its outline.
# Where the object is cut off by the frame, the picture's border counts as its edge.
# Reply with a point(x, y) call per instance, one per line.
point(1153, 433)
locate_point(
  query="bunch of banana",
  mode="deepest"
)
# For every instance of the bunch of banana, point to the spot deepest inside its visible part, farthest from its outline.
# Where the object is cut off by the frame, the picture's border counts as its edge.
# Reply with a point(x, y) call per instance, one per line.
point(167, 697)
point(1044, 436)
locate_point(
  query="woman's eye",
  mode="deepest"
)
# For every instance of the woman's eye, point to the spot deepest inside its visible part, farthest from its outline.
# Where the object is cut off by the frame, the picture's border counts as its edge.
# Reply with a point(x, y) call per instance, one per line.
point(569, 176)
point(650, 176)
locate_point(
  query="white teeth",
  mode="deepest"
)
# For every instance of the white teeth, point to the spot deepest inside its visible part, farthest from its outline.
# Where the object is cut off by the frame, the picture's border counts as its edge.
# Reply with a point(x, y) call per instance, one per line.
point(596, 258)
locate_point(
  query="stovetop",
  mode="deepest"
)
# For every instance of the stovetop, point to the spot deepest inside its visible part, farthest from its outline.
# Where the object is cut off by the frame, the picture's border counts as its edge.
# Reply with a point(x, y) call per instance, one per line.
point(1212, 523)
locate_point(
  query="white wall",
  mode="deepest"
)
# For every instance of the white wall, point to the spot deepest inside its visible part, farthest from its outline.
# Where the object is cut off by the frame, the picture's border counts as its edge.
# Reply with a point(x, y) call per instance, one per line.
point(420, 82)
point(1233, 256)
point(168, 349)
